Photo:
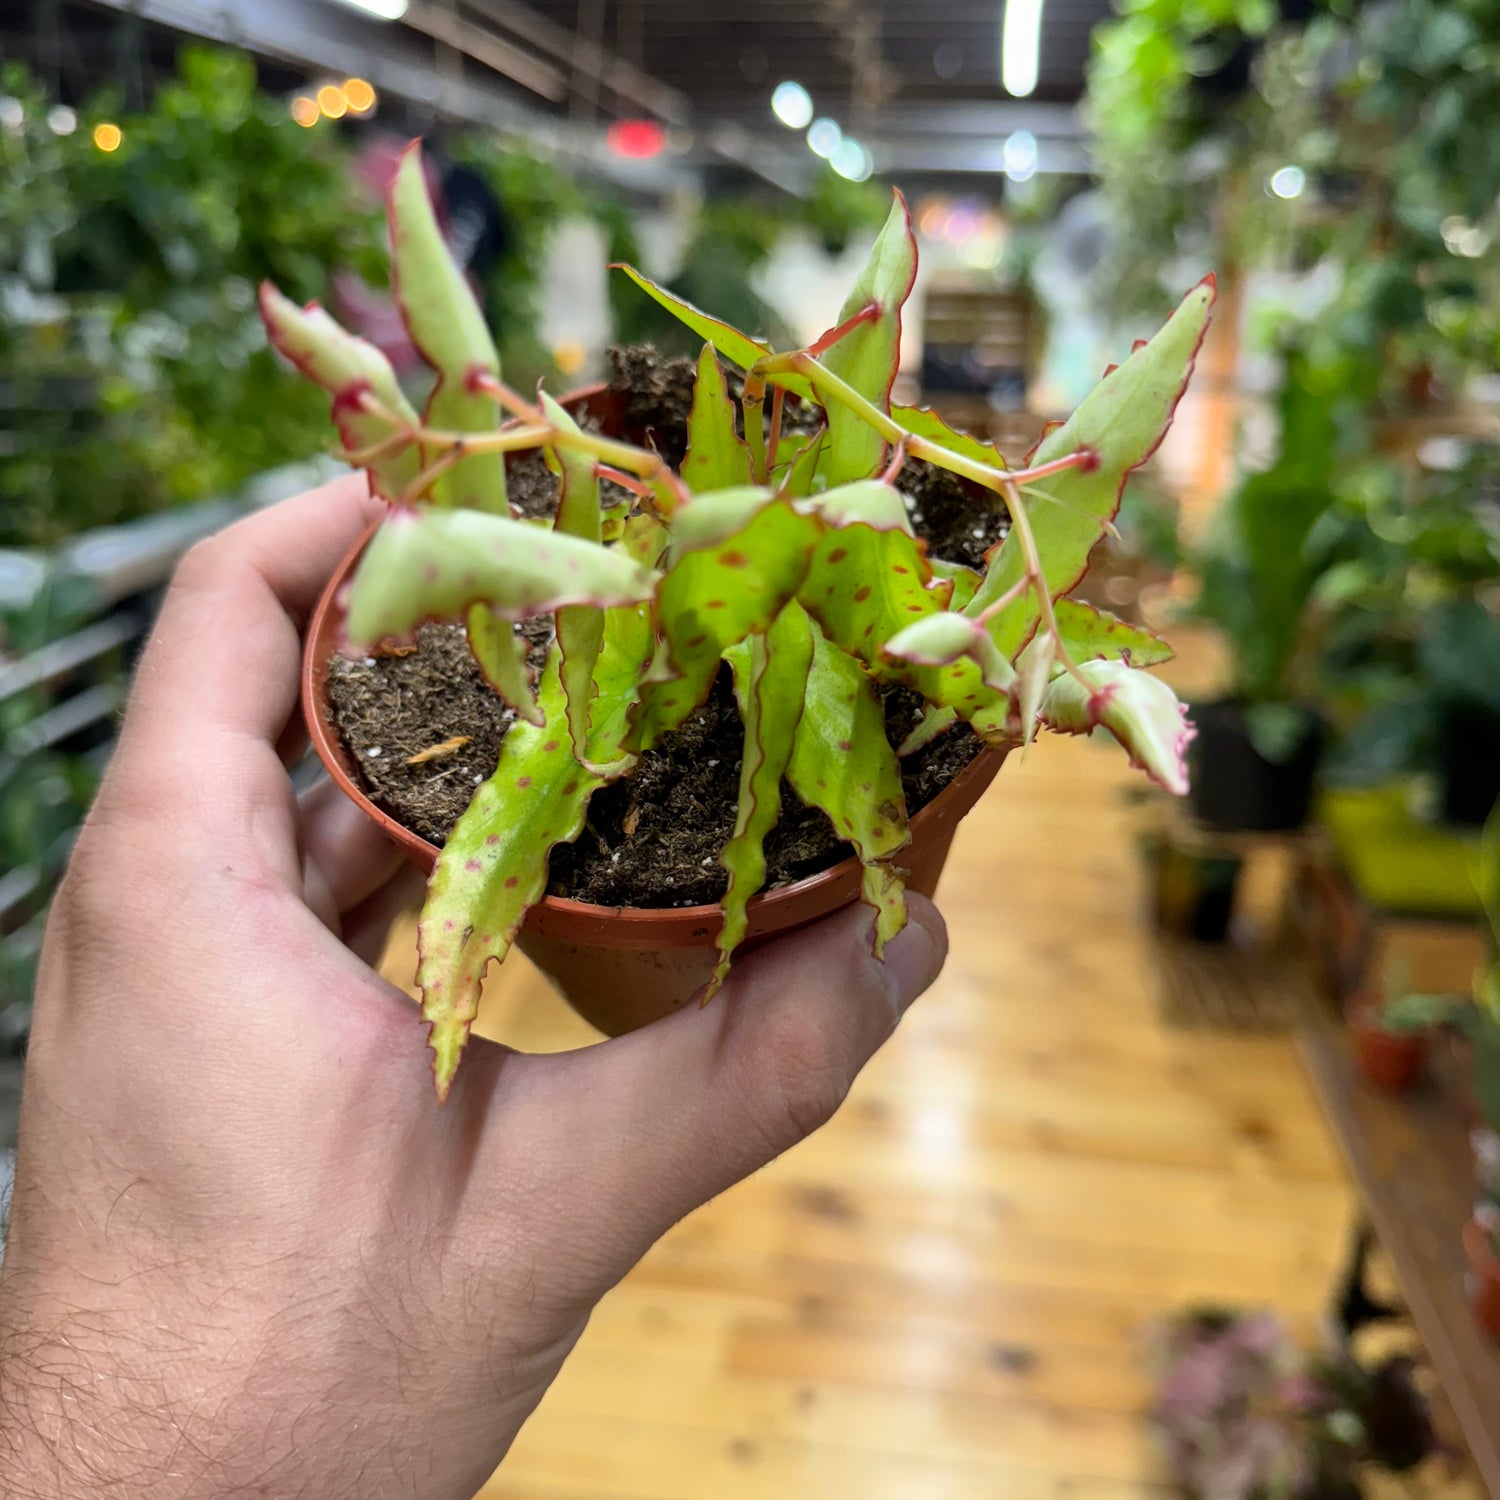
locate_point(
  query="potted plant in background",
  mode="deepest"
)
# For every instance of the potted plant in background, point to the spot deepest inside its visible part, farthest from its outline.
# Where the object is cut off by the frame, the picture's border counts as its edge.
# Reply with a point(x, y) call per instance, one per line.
point(781, 549)
point(1275, 540)
point(1410, 653)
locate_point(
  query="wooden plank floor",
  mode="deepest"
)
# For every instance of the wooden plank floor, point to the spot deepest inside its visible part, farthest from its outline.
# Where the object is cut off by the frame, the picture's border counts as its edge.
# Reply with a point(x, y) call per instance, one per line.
point(943, 1294)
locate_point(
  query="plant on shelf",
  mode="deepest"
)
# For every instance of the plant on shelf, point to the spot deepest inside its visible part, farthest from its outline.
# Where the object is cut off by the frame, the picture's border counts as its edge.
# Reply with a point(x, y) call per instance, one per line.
point(786, 553)
point(1414, 639)
point(1275, 542)
point(1476, 1019)
point(137, 372)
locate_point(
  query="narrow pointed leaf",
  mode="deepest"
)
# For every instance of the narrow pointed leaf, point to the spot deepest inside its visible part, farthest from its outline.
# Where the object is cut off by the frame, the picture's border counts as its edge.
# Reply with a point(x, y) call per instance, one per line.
point(493, 869)
point(965, 581)
point(1033, 670)
point(1121, 421)
point(867, 357)
point(795, 462)
point(736, 558)
point(447, 326)
point(580, 627)
point(717, 457)
point(934, 722)
point(796, 469)
point(433, 564)
point(738, 348)
point(1087, 632)
point(1140, 710)
point(501, 656)
point(842, 763)
point(770, 681)
point(346, 367)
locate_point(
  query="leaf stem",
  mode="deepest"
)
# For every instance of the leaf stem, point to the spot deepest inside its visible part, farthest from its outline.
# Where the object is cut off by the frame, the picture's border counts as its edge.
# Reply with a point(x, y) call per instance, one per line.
point(1038, 580)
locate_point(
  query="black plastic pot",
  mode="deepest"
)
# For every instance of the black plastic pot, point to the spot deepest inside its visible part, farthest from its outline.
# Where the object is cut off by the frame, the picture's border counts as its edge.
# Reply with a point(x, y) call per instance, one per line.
point(1192, 891)
point(1233, 786)
point(1468, 763)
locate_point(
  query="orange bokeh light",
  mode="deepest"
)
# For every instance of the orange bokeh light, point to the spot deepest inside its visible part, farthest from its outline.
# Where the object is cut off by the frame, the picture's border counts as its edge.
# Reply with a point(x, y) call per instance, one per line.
point(359, 95)
point(107, 136)
point(305, 111)
point(332, 102)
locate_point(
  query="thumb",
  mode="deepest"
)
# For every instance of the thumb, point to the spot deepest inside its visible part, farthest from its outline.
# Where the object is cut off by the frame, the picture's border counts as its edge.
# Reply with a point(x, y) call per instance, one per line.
point(661, 1120)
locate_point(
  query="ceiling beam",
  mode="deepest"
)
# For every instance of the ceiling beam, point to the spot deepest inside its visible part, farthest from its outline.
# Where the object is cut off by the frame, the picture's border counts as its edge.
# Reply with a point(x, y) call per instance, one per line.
point(622, 78)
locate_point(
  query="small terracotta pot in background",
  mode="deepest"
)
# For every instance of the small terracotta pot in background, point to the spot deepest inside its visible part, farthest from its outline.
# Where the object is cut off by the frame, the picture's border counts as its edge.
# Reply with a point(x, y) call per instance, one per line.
point(1479, 1246)
point(1389, 1060)
point(623, 967)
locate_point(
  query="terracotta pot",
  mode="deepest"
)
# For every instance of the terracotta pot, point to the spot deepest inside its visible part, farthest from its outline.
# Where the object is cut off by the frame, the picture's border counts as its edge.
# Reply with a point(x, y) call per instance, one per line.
point(1388, 1060)
point(623, 967)
point(1485, 1286)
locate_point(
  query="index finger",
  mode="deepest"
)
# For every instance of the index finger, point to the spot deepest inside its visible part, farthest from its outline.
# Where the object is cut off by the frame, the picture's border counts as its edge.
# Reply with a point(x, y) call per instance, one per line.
point(221, 666)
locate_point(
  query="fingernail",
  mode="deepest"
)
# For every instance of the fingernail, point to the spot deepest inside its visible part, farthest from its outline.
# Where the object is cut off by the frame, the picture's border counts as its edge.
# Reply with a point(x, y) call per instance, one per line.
point(914, 958)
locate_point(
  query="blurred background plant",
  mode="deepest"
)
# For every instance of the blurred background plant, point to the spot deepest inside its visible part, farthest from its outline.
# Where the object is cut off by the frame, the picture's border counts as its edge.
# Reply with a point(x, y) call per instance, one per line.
point(136, 371)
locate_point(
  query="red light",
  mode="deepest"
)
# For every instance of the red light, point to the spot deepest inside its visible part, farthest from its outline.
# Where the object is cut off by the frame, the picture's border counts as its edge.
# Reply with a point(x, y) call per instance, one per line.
point(637, 138)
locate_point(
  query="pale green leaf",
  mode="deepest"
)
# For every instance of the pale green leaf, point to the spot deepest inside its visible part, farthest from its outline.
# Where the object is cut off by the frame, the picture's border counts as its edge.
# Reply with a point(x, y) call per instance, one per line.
point(1140, 710)
point(500, 653)
point(770, 688)
point(1121, 421)
point(717, 458)
point(433, 564)
point(867, 357)
point(843, 763)
point(493, 868)
point(738, 348)
point(346, 367)
point(580, 627)
point(447, 326)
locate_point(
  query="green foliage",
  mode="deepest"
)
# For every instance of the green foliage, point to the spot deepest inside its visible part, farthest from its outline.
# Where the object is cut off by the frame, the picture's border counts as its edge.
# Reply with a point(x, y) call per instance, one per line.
point(802, 589)
point(138, 368)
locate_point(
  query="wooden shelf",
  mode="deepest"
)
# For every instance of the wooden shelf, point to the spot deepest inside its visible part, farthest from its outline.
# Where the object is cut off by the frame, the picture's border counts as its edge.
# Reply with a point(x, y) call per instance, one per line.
point(1411, 1163)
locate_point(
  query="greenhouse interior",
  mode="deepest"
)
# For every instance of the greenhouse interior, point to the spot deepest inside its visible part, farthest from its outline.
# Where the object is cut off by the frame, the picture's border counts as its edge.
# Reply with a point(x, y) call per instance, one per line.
point(991, 498)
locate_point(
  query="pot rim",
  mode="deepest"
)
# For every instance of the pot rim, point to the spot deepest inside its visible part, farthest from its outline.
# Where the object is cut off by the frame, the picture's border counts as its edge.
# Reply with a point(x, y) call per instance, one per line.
point(779, 903)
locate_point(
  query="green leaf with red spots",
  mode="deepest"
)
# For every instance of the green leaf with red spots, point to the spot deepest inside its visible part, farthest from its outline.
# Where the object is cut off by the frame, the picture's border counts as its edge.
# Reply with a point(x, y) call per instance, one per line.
point(447, 326)
point(717, 457)
point(770, 678)
point(864, 585)
point(1087, 633)
point(347, 368)
point(867, 356)
point(738, 348)
point(842, 763)
point(433, 564)
point(500, 653)
point(493, 868)
point(580, 627)
point(736, 558)
point(1121, 422)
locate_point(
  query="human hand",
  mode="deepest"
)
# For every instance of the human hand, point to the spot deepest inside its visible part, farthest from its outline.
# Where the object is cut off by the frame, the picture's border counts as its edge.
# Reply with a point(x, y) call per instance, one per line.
point(249, 1255)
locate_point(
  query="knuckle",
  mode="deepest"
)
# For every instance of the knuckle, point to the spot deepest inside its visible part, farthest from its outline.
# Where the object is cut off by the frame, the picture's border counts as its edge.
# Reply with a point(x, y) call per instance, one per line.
point(806, 1071)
